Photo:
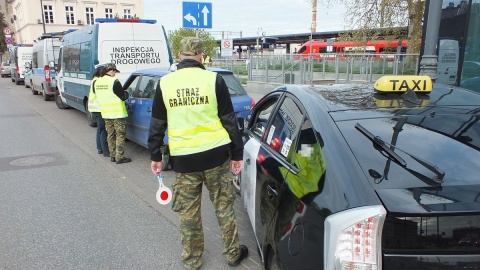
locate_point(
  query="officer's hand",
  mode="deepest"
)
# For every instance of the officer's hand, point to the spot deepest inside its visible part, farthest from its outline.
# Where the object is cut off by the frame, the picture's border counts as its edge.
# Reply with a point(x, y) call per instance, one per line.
point(156, 167)
point(236, 166)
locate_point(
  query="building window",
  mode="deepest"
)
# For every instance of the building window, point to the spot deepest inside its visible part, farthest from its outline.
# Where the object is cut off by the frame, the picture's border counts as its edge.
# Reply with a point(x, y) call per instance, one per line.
point(90, 16)
point(70, 15)
point(108, 13)
point(48, 13)
point(127, 14)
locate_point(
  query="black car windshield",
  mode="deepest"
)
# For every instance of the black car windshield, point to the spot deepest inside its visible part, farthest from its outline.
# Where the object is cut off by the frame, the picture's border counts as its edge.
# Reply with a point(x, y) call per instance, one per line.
point(234, 87)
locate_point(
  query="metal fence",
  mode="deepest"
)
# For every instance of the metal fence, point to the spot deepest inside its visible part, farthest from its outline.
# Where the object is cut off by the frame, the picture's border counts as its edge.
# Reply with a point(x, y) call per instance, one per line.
point(317, 69)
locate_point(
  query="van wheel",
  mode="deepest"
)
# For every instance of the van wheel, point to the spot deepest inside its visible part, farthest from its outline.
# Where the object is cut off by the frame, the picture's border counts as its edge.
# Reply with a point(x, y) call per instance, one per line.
point(45, 96)
point(59, 101)
point(34, 91)
point(17, 82)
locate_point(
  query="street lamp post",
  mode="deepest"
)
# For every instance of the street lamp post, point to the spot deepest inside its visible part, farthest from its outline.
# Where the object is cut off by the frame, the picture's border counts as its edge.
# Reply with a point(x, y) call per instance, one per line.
point(43, 16)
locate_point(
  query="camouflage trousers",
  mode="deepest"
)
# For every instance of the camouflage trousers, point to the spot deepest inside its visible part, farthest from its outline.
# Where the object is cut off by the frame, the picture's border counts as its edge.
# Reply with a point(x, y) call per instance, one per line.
point(187, 197)
point(116, 129)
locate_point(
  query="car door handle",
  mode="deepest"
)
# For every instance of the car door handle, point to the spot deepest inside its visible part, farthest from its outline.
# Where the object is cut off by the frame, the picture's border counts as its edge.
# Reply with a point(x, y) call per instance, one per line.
point(272, 190)
point(149, 109)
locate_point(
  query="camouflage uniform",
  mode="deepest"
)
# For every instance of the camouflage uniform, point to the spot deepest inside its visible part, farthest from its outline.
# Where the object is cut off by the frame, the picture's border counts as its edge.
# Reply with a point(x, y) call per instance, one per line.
point(187, 197)
point(116, 129)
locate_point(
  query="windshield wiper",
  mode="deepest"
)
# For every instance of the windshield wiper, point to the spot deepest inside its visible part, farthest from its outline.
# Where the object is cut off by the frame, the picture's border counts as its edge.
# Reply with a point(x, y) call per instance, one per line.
point(387, 148)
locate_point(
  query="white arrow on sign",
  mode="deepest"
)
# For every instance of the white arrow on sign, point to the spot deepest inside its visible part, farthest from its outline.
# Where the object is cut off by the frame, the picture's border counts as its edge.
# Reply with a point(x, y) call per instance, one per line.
point(205, 11)
point(190, 18)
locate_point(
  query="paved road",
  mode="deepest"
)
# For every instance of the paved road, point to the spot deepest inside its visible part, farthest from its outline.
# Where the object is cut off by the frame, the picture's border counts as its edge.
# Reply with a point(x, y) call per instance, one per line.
point(63, 206)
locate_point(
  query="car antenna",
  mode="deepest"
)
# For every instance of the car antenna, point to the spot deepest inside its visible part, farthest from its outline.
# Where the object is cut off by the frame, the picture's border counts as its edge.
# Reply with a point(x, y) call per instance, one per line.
point(411, 97)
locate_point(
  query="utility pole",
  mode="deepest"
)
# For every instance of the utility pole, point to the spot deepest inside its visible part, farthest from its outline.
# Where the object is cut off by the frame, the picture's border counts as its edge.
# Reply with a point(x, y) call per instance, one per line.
point(43, 16)
point(429, 61)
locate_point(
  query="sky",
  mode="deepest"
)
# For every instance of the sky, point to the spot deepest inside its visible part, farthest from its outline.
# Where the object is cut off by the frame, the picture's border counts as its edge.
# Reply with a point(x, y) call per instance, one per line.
point(251, 17)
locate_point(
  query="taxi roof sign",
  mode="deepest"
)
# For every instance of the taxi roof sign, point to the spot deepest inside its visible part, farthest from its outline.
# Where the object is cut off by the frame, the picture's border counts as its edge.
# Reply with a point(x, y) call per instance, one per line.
point(401, 83)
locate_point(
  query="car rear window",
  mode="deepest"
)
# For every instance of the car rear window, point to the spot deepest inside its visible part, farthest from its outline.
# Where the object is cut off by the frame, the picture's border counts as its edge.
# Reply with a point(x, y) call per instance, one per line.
point(234, 87)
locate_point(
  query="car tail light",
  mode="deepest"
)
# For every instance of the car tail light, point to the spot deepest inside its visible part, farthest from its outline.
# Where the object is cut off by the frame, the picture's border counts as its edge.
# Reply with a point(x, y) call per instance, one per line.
point(46, 69)
point(260, 158)
point(2, 68)
point(17, 69)
point(353, 238)
point(253, 103)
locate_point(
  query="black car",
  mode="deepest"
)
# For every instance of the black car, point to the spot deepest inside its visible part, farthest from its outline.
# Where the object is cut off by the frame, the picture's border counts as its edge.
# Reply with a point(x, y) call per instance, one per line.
point(364, 177)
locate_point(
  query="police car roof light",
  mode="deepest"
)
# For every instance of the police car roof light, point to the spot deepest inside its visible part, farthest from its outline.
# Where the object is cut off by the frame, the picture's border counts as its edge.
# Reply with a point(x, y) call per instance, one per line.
point(401, 83)
point(24, 45)
point(105, 20)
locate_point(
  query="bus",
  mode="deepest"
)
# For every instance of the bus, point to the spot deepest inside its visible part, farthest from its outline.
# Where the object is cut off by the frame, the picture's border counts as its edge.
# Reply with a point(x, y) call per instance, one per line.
point(319, 48)
point(131, 44)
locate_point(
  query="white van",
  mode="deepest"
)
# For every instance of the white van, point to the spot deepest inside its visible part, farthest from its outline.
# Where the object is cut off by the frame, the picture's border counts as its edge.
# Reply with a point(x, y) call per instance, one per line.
point(22, 54)
point(131, 44)
point(44, 60)
point(447, 66)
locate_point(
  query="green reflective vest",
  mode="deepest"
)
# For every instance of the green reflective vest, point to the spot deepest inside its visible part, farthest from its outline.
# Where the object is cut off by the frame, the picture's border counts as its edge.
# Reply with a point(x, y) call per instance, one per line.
point(192, 110)
point(111, 106)
point(93, 105)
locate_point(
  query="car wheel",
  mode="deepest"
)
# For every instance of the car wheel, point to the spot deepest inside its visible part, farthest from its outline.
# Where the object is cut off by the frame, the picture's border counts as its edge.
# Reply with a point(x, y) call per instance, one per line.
point(17, 82)
point(237, 181)
point(3, 76)
point(13, 80)
point(271, 263)
point(59, 101)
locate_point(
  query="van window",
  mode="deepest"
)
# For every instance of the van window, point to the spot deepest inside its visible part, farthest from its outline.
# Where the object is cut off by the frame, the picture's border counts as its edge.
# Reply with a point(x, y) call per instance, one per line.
point(85, 57)
point(71, 56)
point(34, 59)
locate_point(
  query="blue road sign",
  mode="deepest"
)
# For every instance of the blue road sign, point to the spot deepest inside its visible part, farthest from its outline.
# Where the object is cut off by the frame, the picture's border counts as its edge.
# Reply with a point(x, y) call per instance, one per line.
point(197, 15)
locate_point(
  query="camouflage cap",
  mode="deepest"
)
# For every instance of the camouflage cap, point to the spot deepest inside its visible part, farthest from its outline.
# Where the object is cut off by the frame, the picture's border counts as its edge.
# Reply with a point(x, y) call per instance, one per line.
point(111, 66)
point(191, 46)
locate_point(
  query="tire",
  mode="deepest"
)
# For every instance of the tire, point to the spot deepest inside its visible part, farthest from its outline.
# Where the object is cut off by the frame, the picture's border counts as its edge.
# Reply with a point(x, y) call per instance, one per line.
point(13, 80)
point(26, 84)
point(3, 76)
point(18, 82)
point(59, 101)
point(46, 97)
point(237, 180)
point(34, 92)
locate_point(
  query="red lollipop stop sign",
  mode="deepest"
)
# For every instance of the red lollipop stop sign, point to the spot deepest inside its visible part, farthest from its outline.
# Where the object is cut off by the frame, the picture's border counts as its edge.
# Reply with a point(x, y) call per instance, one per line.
point(164, 194)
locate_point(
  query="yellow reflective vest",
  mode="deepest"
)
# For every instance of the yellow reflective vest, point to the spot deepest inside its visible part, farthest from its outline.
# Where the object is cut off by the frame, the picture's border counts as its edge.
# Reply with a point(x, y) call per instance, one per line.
point(192, 112)
point(111, 106)
point(93, 105)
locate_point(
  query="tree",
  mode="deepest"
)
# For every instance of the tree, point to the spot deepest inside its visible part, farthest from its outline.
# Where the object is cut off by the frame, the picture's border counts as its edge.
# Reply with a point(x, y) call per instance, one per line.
point(3, 24)
point(383, 19)
point(209, 43)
